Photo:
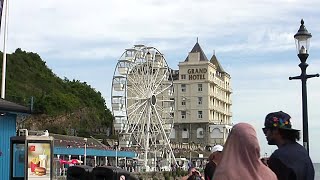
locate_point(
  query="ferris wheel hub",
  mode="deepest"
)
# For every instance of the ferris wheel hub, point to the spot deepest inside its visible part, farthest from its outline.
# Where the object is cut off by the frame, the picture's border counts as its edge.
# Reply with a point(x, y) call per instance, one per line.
point(153, 100)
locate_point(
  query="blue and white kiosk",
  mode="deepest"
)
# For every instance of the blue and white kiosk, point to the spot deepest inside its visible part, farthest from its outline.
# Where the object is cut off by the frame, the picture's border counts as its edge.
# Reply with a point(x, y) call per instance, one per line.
point(9, 112)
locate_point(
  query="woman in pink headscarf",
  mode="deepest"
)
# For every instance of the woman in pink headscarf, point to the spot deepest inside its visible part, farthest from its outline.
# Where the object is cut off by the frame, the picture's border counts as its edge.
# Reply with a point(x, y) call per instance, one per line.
point(241, 157)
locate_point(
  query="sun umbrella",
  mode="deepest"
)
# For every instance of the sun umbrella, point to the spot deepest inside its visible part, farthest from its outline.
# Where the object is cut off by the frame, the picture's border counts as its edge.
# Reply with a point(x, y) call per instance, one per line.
point(62, 161)
point(74, 161)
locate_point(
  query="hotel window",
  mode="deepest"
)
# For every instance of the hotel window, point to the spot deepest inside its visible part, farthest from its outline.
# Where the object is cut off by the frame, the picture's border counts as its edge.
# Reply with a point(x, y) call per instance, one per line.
point(172, 102)
point(199, 87)
point(183, 102)
point(173, 133)
point(183, 114)
point(183, 76)
point(185, 133)
point(199, 100)
point(183, 88)
point(200, 133)
point(200, 114)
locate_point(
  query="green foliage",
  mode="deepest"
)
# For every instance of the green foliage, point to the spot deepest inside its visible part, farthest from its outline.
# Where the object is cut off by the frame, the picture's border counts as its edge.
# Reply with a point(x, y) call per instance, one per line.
point(179, 172)
point(174, 174)
point(59, 105)
point(167, 177)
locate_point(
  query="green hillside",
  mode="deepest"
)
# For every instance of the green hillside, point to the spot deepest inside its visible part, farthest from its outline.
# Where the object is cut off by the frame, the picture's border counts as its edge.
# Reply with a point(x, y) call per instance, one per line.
point(59, 105)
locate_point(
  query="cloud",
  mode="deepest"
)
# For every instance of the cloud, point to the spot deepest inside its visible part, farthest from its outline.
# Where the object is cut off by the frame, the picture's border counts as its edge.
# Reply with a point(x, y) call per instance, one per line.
point(57, 23)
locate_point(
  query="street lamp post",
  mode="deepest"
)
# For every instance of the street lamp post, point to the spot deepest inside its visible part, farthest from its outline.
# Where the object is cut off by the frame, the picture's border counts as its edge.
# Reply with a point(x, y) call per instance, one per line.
point(302, 38)
point(85, 151)
point(116, 156)
point(116, 146)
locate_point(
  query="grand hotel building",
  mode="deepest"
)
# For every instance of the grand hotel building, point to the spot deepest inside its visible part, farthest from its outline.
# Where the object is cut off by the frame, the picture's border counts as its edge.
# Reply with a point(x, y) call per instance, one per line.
point(202, 92)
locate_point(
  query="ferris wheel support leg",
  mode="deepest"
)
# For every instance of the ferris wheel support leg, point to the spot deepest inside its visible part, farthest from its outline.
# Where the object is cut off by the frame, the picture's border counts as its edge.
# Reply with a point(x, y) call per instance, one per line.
point(147, 139)
point(167, 140)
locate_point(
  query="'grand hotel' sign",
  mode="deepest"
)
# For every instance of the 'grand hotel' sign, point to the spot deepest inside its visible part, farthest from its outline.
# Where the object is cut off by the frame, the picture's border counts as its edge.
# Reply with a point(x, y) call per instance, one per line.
point(197, 74)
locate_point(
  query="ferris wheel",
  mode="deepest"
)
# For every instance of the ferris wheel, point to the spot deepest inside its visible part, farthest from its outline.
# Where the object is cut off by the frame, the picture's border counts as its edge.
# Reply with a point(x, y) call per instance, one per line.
point(142, 100)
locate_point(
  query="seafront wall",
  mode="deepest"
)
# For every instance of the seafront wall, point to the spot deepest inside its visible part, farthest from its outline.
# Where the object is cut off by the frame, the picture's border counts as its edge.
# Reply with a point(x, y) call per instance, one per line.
point(160, 175)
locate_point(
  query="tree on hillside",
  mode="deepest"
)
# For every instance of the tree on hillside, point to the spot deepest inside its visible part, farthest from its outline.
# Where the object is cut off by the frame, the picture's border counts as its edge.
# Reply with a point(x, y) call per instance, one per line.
point(60, 105)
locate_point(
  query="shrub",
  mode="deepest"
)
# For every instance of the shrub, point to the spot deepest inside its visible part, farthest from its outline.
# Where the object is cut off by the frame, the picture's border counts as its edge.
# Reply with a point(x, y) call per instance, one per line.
point(167, 177)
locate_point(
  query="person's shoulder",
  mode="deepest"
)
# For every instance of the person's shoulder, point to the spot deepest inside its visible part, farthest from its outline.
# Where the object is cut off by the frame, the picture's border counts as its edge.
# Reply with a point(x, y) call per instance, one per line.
point(298, 148)
point(279, 154)
point(288, 148)
point(210, 166)
point(207, 167)
point(276, 153)
point(289, 151)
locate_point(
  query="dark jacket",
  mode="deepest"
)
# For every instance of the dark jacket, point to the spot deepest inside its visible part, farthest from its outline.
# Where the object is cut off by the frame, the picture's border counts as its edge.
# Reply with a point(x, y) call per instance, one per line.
point(209, 170)
point(291, 162)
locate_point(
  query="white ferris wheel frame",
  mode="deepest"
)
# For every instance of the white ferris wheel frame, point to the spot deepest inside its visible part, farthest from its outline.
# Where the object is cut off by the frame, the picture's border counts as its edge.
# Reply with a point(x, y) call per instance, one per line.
point(142, 100)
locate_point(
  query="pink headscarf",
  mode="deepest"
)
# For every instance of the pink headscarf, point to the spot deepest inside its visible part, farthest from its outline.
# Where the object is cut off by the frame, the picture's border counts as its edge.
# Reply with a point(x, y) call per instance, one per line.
point(241, 157)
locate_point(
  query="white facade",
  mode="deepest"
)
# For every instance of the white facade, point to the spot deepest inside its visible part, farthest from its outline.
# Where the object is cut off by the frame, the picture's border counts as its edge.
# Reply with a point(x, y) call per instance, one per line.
point(202, 92)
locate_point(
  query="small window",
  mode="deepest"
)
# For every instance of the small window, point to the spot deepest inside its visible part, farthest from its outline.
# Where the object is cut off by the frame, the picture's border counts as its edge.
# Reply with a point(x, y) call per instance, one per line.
point(183, 102)
point(173, 133)
point(200, 114)
point(183, 88)
point(18, 156)
point(172, 102)
point(183, 76)
point(199, 100)
point(200, 133)
point(183, 114)
point(185, 133)
point(199, 87)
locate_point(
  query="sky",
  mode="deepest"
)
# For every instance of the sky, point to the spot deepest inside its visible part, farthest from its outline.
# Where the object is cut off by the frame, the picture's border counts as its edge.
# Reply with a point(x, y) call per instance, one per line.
point(253, 41)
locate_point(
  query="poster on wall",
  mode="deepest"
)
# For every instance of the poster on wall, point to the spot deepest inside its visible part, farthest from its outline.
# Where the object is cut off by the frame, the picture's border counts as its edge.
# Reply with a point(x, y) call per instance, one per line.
point(39, 161)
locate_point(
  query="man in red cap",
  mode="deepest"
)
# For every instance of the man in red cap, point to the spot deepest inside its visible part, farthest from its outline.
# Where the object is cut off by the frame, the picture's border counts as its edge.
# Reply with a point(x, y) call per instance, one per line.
point(291, 160)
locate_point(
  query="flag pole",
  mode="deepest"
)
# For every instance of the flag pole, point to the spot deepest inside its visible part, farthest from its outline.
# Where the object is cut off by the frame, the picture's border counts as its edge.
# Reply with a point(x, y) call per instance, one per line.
point(4, 62)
